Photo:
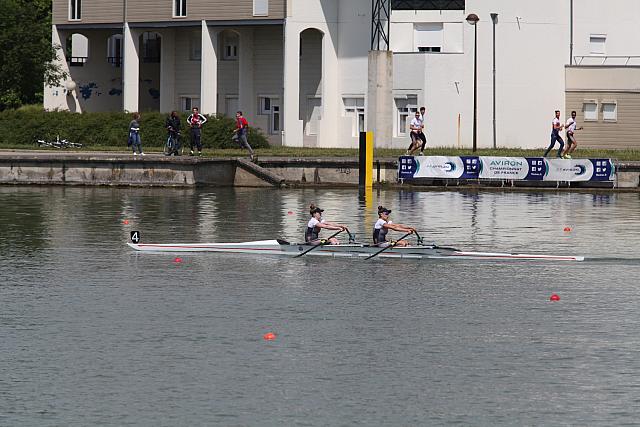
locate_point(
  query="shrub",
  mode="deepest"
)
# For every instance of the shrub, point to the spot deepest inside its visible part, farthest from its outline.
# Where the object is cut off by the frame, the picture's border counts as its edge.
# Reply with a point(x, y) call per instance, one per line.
point(26, 125)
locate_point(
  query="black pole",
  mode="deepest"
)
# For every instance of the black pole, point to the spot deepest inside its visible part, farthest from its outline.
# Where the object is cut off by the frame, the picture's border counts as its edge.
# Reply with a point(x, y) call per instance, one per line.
point(362, 164)
point(475, 86)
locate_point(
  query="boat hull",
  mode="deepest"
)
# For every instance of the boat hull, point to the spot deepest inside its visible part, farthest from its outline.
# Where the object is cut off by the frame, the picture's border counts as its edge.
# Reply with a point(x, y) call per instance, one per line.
point(275, 247)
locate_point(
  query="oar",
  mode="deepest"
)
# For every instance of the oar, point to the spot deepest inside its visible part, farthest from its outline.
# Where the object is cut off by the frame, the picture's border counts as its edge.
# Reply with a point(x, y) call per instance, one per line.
point(322, 243)
point(388, 247)
point(420, 242)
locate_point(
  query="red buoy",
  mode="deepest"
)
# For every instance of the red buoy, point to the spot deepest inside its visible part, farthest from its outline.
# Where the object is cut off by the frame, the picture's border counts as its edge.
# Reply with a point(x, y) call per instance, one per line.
point(125, 222)
point(290, 212)
point(177, 260)
point(567, 229)
point(269, 336)
point(554, 297)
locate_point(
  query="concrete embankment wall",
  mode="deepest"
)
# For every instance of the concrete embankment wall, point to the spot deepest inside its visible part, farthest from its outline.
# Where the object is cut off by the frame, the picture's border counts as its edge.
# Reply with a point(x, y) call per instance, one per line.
point(77, 168)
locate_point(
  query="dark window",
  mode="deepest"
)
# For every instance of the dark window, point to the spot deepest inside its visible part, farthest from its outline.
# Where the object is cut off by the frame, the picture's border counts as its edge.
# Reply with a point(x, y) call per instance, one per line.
point(427, 4)
point(428, 48)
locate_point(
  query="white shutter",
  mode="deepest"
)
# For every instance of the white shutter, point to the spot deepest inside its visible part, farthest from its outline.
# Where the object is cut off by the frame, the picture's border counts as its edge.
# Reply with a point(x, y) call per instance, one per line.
point(260, 7)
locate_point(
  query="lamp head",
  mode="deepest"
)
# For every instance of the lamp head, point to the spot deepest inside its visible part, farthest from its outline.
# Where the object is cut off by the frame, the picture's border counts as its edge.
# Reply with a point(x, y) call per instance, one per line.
point(70, 86)
point(472, 19)
point(494, 18)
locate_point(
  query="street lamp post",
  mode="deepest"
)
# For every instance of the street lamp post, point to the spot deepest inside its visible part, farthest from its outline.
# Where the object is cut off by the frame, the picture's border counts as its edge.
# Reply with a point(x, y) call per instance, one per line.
point(473, 20)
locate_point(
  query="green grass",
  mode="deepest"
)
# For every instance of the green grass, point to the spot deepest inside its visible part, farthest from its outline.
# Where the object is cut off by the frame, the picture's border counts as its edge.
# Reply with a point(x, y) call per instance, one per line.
point(293, 152)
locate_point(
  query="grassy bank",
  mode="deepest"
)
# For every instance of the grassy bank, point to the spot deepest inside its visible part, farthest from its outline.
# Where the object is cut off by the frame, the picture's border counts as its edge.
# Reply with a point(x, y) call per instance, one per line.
point(621, 155)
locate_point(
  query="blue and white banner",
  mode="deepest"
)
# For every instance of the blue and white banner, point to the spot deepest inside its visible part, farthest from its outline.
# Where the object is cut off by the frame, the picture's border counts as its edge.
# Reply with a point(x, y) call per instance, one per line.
point(506, 168)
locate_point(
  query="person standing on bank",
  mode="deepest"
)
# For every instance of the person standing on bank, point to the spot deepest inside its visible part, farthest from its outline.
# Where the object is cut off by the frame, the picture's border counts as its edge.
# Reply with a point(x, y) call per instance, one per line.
point(316, 224)
point(382, 227)
point(570, 126)
point(241, 132)
point(416, 126)
point(134, 135)
point(195, 122)
point(173, 128)
point(556, 127)
point(422, 135)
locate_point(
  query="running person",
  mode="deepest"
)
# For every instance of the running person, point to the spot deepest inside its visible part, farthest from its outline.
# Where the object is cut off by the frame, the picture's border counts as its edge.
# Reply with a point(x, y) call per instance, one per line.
point(316, 224)
point(556, 127)
point(195, 122)
point(382, 227)
point(173, 128)
point(241, 132)
point(570, 126)
point(422, 136)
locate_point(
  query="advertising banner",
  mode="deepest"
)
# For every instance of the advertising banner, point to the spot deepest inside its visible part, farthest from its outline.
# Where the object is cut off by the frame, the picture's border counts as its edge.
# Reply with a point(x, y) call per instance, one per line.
point(506, 168)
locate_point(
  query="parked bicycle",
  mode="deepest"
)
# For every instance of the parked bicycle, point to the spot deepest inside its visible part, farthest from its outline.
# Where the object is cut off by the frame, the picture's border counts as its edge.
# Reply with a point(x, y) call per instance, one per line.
point(59, 143)
point(172, 146)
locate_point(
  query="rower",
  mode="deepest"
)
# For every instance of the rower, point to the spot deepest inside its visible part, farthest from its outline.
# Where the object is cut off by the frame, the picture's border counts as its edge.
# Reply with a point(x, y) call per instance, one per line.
point(383, 225)
point(316, 223)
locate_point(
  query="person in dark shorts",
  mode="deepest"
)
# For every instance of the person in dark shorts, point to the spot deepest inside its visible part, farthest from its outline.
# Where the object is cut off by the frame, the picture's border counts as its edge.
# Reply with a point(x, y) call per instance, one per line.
point(571, 127)
point(556, 127)
point(195, 122)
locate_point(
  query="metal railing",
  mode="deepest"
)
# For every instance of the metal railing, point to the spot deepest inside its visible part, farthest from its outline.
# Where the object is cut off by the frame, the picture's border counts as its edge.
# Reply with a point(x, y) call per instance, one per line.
point(620, 60)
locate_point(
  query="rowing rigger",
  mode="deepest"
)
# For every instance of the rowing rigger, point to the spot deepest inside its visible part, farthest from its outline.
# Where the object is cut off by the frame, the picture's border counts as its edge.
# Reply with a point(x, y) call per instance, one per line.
point(357, 250)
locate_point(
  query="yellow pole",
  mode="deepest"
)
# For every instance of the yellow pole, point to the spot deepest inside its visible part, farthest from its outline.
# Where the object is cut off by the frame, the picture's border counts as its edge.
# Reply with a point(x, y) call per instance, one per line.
point(368, 177)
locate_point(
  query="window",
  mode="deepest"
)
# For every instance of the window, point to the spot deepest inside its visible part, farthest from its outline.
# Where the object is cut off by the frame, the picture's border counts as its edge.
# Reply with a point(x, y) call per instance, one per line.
point(114, 50)
point(260, 7)
point(75, 10)
point(179, 8)
point(609, 111)
point(150, 47)
point(428, 37)
point(597, 43)
point(229, 47)
point(590, 109)
point(187, 102)
point(354, 108)
point(405, 109)
point(77, 50)
point(195, 47)
point(269, 105)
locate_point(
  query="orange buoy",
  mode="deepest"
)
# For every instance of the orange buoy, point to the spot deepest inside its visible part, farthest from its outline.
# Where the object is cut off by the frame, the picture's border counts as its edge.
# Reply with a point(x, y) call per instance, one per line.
point(554, 297)
point(125, 222)
point(269, 336)
point(567, 229)
point(177, 260)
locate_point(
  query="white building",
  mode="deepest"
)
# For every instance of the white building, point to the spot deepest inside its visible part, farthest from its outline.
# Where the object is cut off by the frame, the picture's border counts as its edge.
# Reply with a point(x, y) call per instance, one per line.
point(299, 69)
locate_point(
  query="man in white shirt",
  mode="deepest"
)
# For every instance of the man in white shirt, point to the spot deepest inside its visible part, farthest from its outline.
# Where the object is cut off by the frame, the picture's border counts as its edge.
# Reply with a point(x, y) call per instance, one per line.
point(416, 127)
point(556, 127)
point(571, 127)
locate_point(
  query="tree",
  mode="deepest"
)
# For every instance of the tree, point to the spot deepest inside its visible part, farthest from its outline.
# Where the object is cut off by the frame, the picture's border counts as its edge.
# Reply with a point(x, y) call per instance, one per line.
point(26, 53)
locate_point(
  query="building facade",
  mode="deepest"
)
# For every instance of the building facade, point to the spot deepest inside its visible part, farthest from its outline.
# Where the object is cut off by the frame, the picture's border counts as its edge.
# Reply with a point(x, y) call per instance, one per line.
point(301, 70)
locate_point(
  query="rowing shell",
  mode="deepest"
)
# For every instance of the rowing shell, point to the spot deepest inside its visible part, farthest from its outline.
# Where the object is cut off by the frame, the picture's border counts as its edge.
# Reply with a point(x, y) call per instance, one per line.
point(281, 247)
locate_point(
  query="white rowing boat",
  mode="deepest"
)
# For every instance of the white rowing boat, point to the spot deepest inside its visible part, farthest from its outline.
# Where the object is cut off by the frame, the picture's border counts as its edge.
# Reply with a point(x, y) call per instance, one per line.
point(281, 247)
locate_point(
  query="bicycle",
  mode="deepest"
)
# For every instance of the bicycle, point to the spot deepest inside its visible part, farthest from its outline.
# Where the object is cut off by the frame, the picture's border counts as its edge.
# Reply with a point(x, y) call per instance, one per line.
point(173, 144)
point(58, 143)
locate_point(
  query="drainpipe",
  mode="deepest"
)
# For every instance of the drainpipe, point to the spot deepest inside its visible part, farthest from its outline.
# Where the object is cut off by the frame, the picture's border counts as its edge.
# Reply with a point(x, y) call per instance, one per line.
point(571, 32)
point(494, 18)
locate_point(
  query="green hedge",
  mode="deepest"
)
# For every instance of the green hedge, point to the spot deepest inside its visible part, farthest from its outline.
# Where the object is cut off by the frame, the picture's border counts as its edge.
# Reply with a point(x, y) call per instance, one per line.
point(26, 125)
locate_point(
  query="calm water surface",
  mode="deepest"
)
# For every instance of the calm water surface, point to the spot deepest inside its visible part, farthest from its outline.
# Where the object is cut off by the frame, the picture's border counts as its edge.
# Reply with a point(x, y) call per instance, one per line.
point(94, 334)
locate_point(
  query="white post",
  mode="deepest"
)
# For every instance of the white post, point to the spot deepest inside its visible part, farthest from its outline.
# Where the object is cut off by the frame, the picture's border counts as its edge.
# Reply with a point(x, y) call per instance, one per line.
point(246, 96)
point(168, 71)
point(130, 69)
point(328, 129)
point(293, 128)
point(209, 71)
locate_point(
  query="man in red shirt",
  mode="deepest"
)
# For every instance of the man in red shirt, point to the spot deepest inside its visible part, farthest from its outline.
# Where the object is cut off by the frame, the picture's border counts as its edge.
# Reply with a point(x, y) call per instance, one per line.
point(241, 132)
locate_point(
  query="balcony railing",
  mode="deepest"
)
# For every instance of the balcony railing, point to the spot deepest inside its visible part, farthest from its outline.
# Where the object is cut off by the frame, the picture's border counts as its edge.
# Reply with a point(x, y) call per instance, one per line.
point(427, 4)
point(76, 61)
point(116, 61)
point(612, 60)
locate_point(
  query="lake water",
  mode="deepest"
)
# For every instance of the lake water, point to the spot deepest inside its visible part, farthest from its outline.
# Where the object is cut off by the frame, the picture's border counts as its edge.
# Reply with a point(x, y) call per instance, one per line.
point(94, 334)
